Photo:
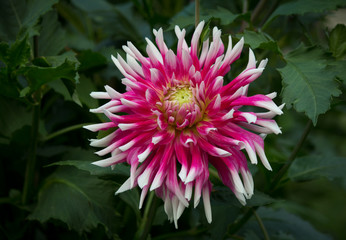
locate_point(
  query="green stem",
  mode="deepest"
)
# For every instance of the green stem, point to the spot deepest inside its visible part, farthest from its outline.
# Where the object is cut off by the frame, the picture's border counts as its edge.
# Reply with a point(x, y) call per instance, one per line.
point(292, 157)
point(196, 12)
point(31, 164)
point(258, 9)
point(244, 24)
point(260, 223)
point(65, 130)
point(148, 217)
point(239, 223)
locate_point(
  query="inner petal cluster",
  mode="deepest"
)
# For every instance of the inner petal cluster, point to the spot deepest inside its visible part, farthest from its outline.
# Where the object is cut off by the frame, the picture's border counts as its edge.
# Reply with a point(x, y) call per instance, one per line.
point(181, 94)
point(180, 107)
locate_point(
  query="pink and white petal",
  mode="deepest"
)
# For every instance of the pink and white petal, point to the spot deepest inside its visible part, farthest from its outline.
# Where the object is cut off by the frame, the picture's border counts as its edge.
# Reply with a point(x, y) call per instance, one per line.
point(100, 126)
point(111, 160)
point(206, 202)
point(105, 141)
point(160, 41)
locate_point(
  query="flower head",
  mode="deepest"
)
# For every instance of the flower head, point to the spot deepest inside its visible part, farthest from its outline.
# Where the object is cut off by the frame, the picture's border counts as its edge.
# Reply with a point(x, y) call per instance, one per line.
point(180, 119)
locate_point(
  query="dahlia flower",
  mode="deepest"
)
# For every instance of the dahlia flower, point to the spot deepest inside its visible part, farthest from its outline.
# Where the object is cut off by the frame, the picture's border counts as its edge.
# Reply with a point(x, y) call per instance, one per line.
point(178, 119)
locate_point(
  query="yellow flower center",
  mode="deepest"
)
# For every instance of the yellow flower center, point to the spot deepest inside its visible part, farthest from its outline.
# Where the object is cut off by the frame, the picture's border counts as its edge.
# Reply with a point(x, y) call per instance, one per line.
point(181, 94)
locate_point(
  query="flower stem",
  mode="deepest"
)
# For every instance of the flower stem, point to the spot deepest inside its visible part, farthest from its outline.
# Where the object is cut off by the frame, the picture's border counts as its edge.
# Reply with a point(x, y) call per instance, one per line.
point(196, 12)
point(64, 130)
point(239, 223)
point(148, 217)
point(260, 223)
point(31, 164)
point(292, 157)
point(258, 9)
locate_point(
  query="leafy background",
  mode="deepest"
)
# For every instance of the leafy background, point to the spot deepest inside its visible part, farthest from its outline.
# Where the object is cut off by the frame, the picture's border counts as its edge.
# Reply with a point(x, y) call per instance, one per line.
point(54, 53)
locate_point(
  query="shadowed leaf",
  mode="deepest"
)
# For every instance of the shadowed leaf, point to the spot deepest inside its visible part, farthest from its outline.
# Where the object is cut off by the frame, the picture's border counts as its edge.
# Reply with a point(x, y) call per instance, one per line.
point(308, 86)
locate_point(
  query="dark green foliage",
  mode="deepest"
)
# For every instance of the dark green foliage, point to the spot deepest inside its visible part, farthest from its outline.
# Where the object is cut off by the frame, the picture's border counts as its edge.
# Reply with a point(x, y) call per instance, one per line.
point(53, 53)
point(312, 167)
point(337, 41)
point(309, 87)
point(77, 199)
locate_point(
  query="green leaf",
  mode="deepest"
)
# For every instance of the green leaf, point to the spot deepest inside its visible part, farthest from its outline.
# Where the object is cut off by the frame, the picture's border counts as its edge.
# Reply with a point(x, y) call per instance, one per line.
point(260, 199)
point(337, 41)
point(281, 224)
point(38, 76)
point(59, 87)
point(15, 55)
point(312, 167)
point(223, 215)
point(308, 86)
point(56, 61)
point(251, 235)
point(226, 17)
point(260, 40)
point(92, 6)
point(91, 60)
point(52, 39)
point(338, 67)
point(83, 89)
point(78, 199)
point(21, 17)
point(305, 6)
point(93, 169)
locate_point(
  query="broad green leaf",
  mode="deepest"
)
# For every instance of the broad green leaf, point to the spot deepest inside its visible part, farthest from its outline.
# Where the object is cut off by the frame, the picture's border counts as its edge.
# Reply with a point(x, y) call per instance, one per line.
point(282, 236)
point(223, 215)
point(251, 235)
point(305, 6)
point(11, 18)
point(78, 199)
point(312, 167)
point(20, 16)
point(83, 89)
point(35, 9)
point(56, 61)
point(260, 40)
point(59, 87)
point(87, 165)
point(281, 224)
point(92, 6)
point(226, 17)
point(73, 17)
point(37, 76)
point(52, 39)
point(338, 67)
point(90, 60)
point(308, 86)
point(260, 199)
point(337, 41)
